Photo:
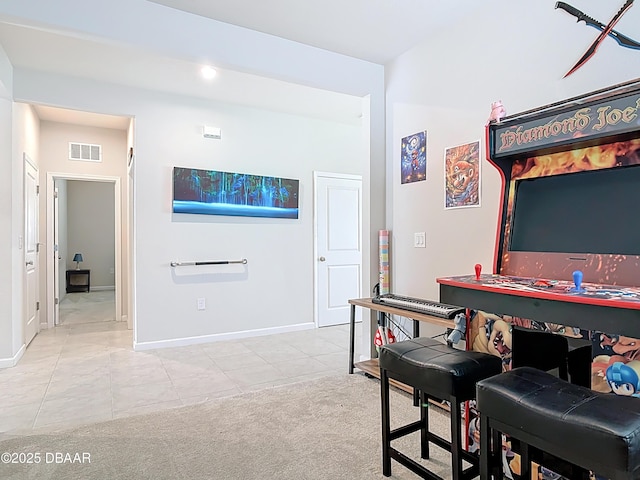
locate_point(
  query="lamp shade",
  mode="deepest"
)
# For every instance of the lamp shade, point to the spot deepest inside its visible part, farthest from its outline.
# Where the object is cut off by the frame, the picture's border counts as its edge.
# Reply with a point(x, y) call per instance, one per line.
point(77, 257)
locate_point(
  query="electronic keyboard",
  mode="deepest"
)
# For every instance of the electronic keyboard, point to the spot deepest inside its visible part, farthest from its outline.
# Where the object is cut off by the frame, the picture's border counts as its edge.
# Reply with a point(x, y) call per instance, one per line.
point(418, 305)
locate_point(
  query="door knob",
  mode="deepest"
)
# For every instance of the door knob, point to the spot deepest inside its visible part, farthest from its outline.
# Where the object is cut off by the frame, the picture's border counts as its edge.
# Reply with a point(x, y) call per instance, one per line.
point(322, 259)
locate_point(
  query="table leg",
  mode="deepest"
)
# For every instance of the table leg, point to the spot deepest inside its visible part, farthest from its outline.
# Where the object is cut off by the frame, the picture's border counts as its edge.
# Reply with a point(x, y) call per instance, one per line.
point(352, 336)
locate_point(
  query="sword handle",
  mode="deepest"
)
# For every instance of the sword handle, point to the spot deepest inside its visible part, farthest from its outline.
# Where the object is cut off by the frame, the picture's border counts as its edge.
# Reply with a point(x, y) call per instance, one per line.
point(571, 10)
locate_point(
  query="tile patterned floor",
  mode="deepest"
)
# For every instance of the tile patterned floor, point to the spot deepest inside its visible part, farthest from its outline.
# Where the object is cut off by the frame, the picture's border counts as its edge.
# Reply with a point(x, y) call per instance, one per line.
point(85, 370)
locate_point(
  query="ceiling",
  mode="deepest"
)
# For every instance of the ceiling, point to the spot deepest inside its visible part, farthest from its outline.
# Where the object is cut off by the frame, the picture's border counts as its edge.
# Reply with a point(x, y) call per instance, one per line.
point(372, 30)
point(76, 117)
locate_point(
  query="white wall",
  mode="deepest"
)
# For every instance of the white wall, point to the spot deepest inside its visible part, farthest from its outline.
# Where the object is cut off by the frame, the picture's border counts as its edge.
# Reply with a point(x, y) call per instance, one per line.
point(446, 86)
point(128, 241)
point(7, 236)
point(25, 140)
point(91, 230)
point(20, 129)
point(276, 289)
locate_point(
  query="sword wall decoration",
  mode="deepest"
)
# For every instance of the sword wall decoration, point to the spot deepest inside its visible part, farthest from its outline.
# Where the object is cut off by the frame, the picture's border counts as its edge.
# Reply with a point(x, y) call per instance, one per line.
point(606, 30)
point(622, 40)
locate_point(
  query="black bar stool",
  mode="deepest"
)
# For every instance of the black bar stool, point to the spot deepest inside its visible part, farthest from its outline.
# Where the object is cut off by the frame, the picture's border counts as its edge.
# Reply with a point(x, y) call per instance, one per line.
point(439, 372)
point(587, 429)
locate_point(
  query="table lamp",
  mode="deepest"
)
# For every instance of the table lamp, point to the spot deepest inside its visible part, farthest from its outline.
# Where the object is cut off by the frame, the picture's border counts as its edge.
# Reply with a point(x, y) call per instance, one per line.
point(77, 258)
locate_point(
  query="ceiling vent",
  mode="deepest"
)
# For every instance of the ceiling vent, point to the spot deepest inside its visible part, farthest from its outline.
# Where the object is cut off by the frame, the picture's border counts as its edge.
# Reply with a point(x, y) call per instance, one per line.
point(85, 152)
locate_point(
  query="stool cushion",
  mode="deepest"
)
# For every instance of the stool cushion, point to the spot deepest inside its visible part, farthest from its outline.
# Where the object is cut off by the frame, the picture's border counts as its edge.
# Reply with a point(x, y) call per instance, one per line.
point(594, 430)
point(436, 368)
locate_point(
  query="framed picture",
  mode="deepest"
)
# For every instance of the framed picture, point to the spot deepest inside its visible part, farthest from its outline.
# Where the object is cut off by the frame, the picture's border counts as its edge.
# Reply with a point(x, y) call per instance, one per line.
point(462, 175)
point(210, 192)
point(413, 158)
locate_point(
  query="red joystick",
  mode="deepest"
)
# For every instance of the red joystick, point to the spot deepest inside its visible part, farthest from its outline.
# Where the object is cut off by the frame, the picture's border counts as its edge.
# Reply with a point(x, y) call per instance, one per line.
point(478, 268)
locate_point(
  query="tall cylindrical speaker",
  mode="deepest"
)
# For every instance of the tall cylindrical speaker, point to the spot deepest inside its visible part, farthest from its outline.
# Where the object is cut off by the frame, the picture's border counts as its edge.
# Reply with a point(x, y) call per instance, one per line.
point(384, 335)
point(383, 246)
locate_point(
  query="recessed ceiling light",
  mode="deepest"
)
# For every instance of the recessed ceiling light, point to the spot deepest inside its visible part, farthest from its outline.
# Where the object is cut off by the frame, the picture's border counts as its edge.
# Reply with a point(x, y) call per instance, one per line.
point(208, 72)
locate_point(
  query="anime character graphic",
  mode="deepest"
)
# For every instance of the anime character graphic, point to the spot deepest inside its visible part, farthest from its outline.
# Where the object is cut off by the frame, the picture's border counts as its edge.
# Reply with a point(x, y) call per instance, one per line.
point(413, 165)
point(624, 378)
point(462, 176)
point(491, 333)
point(626, 347)
point(610, 349)
point(510, 461)
point(546, 474)
point(474, 433)
point(565, 330)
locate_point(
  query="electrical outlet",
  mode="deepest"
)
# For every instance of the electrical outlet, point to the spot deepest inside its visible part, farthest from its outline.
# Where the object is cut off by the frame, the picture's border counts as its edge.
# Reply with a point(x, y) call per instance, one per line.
point(420, 240)
point(201, 303)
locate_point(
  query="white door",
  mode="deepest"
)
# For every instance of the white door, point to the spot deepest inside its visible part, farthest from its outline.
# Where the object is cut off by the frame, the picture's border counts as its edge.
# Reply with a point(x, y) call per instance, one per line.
point(31, 247)
point(338, 214)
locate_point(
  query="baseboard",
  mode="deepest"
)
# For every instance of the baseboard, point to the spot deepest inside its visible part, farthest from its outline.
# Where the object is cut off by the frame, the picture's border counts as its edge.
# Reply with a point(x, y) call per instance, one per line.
point(219, 337)
point(13, 361)
point(102, 288)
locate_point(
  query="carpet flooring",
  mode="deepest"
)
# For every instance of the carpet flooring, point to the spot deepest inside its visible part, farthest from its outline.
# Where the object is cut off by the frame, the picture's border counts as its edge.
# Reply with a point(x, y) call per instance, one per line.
point(321, 429)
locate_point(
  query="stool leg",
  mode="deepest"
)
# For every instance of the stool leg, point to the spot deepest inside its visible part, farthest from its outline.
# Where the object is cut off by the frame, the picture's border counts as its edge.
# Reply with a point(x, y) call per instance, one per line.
point(386, 423)
point(456, 439)
point(489, 442)
point(424, 429)
point(525, 461)
point(563, 370)
point(496, 453)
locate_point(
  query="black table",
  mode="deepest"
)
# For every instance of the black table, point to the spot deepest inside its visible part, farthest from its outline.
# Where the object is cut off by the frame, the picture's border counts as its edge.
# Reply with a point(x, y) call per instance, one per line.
point(78, 280)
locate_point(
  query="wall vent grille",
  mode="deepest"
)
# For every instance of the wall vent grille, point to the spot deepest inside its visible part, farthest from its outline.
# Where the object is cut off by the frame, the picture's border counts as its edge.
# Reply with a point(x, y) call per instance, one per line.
point(85, 152)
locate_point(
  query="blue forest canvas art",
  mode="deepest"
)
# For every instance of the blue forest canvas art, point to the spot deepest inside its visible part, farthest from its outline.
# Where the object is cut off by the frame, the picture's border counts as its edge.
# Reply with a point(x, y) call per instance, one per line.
point(210, 192)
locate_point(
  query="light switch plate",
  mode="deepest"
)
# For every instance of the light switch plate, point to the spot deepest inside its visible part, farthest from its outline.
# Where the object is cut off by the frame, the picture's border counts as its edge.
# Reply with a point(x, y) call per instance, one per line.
point(201, 304)
point(420, 240)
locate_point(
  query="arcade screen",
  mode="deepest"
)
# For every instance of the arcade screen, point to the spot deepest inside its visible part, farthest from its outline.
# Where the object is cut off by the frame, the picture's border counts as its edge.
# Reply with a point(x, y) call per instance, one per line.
point(585, 212)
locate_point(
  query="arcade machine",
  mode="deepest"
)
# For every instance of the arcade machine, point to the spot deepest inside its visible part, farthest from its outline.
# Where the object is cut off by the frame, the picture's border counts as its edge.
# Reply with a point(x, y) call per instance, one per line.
point(567, 252)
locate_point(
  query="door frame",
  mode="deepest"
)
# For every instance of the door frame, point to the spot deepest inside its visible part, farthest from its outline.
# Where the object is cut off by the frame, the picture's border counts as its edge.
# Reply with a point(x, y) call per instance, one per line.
point(52, 256)
point(27, 160)
point(56, 258)
point(337, 176)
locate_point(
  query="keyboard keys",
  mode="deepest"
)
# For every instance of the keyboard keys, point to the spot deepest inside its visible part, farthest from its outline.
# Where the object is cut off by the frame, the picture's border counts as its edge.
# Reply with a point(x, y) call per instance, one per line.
point(427, 307)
